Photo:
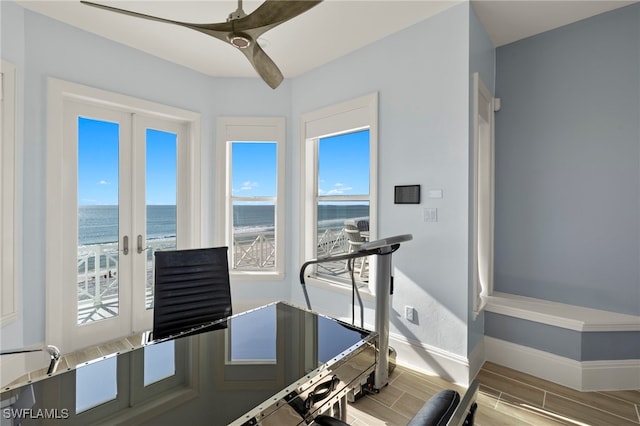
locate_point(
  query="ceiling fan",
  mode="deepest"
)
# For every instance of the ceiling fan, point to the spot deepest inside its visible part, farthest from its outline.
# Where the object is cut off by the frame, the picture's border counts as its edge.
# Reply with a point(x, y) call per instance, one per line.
point(242, 30)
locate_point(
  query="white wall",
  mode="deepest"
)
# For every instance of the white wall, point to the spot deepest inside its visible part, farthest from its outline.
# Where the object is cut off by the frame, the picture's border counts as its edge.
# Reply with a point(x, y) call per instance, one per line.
point(12, 49)
point(482, 56)
point(423, 113)
point(424, 136)
point(53, 49)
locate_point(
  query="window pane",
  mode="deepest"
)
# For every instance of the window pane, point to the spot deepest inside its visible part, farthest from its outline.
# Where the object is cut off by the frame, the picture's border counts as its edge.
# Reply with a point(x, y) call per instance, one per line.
point(254, 168)
point(254, 246)
point(333, 217)
point(161, 179)
point(343, 164)
point(159, 362)
point(98, 146)
point(254, 339)
point(96, 383)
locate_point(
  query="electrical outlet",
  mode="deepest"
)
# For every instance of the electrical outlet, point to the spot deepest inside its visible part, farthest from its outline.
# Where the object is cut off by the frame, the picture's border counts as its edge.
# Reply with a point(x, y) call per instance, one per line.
point(408, 312)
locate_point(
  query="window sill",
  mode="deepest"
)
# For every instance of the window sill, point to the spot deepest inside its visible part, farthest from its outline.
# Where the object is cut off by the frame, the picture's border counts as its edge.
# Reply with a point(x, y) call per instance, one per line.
point(255, 276)
point(571, 317)
point(340, 288)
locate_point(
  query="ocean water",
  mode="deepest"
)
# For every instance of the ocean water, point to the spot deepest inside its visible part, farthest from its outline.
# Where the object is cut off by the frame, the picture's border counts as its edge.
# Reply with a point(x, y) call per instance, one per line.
point(99, 224)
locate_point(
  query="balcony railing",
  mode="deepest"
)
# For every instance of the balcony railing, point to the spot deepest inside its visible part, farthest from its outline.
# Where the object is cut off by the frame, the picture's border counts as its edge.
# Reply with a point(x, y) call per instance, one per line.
point(98, 284)
point(98, 278)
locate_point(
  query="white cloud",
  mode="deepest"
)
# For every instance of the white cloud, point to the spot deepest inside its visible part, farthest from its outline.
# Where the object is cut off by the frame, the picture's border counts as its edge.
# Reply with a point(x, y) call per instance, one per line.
point(338, 189)
point(247, 186)
point(103, 182)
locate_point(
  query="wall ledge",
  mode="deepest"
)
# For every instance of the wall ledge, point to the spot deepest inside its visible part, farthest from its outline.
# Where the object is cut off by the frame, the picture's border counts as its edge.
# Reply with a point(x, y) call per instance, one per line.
point(571, 317)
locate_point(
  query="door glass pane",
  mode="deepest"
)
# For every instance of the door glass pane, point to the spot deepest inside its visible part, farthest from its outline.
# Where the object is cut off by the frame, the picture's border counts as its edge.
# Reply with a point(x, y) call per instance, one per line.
point(98, 144)
point(161, 179)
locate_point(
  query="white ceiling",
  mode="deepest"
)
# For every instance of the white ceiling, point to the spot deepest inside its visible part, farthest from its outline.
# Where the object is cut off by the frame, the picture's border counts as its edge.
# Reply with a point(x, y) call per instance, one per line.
point(324, 33)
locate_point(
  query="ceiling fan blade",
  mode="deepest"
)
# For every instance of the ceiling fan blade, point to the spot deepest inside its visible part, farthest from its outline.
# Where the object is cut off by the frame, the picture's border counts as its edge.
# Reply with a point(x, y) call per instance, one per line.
point(272, 13)
point(263, 64)
point(130, 13)
point(216, 30)
point(241, 32)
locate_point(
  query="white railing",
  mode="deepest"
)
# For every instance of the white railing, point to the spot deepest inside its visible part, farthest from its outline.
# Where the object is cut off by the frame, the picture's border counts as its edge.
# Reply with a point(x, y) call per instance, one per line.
point(98, 267)
point(97, 282)
point(98, 278)
point(255, 253)
point(332, 241)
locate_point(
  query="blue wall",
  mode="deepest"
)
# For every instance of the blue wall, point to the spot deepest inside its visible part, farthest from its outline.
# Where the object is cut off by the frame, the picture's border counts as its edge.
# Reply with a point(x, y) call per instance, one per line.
point(53, 49)
point(423, 139)
point(568, 164)
point(568, 180)
point(423, 103)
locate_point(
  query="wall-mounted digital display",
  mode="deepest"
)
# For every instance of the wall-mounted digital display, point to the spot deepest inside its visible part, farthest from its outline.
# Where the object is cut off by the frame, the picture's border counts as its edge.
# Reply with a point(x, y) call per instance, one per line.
point(407, 194)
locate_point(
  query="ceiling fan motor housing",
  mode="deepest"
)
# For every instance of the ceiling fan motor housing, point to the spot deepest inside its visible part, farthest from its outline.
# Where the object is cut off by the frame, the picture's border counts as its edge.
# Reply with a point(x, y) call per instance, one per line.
point(240, 41)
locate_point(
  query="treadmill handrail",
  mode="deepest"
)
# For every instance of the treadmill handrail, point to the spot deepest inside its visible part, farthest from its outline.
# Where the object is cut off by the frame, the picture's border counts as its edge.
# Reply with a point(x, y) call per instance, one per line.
point(354, 255)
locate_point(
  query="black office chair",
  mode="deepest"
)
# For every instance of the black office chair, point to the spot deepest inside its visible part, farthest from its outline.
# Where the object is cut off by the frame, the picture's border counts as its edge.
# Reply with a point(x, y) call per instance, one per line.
point(191, 289)
point(437, 411)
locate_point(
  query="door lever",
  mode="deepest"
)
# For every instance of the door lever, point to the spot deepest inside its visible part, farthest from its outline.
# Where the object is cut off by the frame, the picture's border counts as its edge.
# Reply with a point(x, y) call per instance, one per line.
point(125, 245)
point(140, 248)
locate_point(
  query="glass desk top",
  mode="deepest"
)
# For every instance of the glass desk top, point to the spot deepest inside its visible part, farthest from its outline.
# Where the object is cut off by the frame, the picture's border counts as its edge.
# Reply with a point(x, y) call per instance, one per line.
point(272, 365)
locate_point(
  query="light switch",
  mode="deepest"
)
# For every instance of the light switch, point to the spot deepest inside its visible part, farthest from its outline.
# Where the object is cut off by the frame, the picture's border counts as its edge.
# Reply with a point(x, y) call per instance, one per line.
point(430, 214)
point(434, 193)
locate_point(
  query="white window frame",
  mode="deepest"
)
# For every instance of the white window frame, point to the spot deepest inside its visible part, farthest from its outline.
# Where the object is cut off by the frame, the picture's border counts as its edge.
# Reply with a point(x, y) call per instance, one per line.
point(346, 117)
point(483, 193)
point(60, 95)
point(8, 194)
point(249, 129)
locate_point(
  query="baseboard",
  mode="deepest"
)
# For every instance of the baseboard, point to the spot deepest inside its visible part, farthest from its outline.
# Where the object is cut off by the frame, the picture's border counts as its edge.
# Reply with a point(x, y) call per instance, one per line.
point(579, 375)
point(433, 361)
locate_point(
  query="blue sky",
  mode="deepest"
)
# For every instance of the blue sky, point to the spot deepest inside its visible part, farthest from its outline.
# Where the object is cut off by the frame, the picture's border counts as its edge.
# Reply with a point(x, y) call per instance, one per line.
point(98, 164)
point(343, 165)
point(343, 159)
point(254, 169)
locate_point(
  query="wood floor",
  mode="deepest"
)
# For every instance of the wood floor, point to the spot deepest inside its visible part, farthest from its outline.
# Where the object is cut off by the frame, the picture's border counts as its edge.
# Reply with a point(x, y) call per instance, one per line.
point(505, 397)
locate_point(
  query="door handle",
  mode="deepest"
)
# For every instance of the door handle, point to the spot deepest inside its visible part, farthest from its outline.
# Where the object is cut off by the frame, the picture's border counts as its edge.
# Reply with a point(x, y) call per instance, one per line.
point(140, 248)
point(125, 245)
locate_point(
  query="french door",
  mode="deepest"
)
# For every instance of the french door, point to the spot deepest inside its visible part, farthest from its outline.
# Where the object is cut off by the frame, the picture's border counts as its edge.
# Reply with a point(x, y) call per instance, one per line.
point(124, 175)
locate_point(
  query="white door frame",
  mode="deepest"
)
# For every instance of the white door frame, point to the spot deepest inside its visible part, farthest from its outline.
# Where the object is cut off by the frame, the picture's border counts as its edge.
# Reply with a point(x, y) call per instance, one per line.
point(60, 186)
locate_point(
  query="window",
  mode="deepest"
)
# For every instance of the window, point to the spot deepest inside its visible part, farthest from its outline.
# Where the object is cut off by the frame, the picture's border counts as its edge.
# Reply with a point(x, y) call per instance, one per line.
point(122, 183)
point(251, 195)
point(8, 239)
point(483, 194)
point(340, 175)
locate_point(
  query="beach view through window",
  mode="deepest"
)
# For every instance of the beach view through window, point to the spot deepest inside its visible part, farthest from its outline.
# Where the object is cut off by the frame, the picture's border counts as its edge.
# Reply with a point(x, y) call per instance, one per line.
point(342, 199)
point(100, 213)
point(343, 191)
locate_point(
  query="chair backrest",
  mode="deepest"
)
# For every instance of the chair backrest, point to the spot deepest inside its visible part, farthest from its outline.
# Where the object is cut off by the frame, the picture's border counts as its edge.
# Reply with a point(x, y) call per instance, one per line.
point(353, 234)
point(437, 410)
point(191, 289)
